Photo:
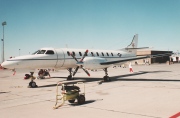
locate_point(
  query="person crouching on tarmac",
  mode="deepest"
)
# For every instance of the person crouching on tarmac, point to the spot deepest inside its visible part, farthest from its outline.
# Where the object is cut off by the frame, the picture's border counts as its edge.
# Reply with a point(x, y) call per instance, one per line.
point(46, 73)
point(41, 74)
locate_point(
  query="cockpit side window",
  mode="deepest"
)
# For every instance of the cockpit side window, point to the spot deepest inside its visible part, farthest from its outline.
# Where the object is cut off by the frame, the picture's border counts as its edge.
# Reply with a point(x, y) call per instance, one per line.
point(50, 52)
point(41, 51)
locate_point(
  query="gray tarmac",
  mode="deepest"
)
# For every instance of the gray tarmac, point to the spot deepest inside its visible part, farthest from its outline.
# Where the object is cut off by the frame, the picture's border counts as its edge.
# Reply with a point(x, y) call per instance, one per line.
point(150, 92)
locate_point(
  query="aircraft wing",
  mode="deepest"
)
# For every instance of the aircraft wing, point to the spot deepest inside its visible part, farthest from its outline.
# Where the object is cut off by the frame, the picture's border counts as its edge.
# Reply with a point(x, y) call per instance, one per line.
point(135, 58)
point(123, 60)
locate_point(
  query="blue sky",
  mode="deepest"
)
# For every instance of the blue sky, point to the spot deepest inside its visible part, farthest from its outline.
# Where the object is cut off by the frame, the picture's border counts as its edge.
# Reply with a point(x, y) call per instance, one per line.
point(98, 24)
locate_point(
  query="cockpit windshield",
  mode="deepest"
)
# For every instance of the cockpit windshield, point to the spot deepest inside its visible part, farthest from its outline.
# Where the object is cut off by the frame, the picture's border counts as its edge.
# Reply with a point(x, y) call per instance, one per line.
point(35, 52)
point(39, 52)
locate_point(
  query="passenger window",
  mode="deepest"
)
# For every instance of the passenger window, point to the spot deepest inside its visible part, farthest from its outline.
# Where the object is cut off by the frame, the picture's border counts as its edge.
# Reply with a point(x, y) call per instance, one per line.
point(107, 54)
point(102, 54)
point(68, 53)
point(92, 54)
point(41, 51)
point(50, 52)
point(97, 53)
point(80, 53)
point(74, 53)
point(119, 54)
point(111, 53)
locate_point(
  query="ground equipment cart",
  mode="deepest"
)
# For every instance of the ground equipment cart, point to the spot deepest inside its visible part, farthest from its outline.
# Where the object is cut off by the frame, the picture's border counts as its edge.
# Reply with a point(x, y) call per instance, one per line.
point(69, 92)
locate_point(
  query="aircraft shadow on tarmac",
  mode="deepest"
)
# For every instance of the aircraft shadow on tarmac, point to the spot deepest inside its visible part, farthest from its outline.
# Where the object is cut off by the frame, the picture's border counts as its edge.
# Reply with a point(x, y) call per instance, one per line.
point(117, 78)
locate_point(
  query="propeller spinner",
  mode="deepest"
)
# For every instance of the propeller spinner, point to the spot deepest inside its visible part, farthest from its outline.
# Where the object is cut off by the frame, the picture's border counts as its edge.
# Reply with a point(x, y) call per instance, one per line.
point(80, 63)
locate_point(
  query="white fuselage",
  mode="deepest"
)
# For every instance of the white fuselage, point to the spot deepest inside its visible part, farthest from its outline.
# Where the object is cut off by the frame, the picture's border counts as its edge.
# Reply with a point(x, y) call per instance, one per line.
point(61, 59)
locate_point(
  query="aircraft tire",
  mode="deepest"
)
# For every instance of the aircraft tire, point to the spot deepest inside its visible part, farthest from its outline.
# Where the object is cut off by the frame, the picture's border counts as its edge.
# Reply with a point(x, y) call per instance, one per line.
point(107, 79)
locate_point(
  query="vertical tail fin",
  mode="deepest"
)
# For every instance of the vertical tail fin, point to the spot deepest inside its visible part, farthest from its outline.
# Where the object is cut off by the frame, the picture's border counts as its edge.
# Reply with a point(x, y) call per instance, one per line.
point(134, 42)
point(132, 47)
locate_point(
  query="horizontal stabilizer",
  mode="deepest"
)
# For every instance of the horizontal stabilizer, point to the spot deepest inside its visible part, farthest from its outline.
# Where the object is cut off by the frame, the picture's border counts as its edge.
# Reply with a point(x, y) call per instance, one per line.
point(136, 48)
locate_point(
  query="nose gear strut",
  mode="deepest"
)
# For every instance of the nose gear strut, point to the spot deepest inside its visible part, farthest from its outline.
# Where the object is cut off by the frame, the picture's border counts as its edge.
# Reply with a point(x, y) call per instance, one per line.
point(32, 84)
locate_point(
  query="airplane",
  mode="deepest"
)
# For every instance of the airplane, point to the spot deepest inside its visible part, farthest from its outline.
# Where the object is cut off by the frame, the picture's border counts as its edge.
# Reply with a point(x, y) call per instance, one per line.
point(67, 58)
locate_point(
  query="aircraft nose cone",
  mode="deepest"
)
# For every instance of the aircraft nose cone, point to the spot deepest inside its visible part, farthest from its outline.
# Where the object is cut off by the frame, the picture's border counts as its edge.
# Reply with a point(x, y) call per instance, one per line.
point(4, 64)
point(8, 65)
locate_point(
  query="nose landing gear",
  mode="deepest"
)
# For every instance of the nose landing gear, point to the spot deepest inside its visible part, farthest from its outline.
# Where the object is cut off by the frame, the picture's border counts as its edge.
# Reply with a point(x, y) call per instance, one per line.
point(32, 84)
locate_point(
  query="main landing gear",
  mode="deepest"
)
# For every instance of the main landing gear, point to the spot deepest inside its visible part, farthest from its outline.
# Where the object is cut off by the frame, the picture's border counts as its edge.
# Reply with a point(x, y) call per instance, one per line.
point(32, 84)
point(106, 77)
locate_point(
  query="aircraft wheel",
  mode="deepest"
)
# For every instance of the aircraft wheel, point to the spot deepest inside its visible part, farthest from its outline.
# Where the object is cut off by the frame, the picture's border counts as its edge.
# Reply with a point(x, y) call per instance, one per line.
point(107, 78)
point(81, 99)
point(71, 101)
point(32, 84)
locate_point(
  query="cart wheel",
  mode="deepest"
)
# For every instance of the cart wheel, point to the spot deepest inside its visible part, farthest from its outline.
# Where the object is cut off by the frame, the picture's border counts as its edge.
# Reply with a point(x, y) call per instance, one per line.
point(81, 99)
point(71, 101)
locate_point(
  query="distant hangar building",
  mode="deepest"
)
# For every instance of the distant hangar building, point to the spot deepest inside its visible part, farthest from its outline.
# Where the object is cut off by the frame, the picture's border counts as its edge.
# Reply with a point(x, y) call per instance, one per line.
point(163, 59)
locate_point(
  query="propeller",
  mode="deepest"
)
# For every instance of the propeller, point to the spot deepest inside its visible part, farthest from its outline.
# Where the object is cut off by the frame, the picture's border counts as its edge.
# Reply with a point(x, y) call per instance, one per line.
point(85, 71)
point(80, 63)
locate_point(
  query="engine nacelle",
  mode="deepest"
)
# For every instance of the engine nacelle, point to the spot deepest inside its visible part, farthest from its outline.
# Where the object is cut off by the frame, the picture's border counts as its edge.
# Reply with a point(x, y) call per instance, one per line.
point(94, 63)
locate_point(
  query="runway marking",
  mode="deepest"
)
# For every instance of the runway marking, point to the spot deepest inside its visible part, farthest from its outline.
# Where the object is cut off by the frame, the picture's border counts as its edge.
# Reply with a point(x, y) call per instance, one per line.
point(102, 93)
point(16, 87)
point(111, 110)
